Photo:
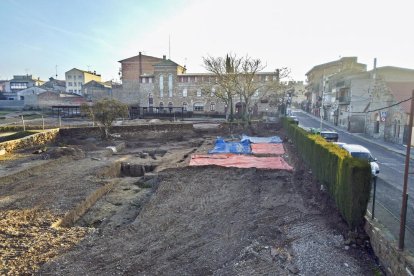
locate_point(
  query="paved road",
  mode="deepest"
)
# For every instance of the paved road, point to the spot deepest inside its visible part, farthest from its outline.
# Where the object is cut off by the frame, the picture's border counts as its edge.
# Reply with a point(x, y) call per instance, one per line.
point(391, 162)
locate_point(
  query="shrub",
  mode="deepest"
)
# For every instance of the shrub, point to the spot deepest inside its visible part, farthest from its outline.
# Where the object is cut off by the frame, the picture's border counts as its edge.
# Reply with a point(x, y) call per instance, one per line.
point(347, 179)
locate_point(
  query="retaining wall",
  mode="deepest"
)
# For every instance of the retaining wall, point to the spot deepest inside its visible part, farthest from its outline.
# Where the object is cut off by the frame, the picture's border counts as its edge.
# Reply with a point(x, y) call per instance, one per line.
point(37, 139)
point(395, 262)
point(127, 129)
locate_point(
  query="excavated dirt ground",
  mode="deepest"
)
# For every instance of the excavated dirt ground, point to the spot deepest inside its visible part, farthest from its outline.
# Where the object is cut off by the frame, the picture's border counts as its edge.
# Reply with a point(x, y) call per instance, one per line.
point(172, 219)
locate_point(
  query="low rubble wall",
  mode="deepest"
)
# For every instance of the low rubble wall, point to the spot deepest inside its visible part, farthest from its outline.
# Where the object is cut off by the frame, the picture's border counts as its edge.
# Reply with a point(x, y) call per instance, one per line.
point(394, 261)
point(37, 139)
point(128, 129)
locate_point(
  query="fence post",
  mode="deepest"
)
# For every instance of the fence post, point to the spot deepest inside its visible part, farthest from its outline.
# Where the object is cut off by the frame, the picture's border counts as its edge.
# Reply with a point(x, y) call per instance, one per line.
point(24, 126)
point(373, 197)
point(43, 123)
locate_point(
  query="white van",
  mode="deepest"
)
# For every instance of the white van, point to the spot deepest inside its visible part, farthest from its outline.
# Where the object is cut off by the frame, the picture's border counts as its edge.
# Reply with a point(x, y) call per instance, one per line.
point(361, 152)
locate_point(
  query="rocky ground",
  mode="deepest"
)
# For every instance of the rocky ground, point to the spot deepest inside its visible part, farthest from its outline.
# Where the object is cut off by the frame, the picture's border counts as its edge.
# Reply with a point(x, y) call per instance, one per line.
point(175, 219)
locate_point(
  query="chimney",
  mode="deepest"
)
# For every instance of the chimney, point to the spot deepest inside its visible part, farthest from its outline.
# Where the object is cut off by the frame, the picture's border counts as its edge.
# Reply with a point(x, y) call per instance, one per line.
point(163, 57)
point(94, 72)
point(374, 75)
point(140, 63)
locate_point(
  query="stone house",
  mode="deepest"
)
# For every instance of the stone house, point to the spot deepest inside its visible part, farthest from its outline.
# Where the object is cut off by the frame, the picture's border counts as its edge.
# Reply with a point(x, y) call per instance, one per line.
point(162, 84)
point(54, 85)
point(389, 111)
point(48, 99)
point(96, 90)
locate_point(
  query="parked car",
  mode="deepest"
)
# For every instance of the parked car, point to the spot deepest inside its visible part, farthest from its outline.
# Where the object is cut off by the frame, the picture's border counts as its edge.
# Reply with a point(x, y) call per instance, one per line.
point(330, 136)
point(361, 152)
point(339, 144)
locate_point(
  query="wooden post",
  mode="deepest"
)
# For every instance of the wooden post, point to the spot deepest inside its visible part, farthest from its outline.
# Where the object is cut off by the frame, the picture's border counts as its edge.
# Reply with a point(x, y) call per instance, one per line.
point(24, 126)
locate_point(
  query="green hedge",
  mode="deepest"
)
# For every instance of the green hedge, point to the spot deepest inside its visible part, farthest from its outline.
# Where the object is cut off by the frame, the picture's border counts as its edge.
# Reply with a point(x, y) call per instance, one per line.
point(347, 179)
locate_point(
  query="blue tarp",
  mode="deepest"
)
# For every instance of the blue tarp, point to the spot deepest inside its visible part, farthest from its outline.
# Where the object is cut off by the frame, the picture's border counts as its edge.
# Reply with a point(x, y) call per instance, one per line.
point(222, 146)
point(257, 140)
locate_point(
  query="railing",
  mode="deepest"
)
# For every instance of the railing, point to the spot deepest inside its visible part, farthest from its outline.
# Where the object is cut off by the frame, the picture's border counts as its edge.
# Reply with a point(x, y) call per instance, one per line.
point(390, 219)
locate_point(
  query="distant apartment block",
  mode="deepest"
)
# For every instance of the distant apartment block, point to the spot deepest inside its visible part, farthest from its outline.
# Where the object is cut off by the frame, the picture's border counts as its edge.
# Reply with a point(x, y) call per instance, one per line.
point(75, 79)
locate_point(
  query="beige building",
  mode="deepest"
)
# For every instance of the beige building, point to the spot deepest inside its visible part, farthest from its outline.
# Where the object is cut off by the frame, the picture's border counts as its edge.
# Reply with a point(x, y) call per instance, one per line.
point(76, 78)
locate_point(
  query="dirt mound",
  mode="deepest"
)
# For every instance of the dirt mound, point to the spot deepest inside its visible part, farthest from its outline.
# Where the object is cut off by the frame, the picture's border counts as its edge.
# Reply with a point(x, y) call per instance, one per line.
point(76, 153)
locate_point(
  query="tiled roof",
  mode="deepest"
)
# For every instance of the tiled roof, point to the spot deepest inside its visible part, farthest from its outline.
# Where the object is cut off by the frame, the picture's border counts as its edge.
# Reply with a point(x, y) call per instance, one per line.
point(401, 92)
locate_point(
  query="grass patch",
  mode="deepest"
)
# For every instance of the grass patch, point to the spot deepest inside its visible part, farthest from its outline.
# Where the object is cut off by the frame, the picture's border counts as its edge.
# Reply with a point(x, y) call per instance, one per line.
point(17, 135)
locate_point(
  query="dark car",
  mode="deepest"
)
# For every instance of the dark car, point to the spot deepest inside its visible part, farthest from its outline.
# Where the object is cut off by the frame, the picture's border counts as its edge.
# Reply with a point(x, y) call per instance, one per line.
point(294, 119)
point(330, 136)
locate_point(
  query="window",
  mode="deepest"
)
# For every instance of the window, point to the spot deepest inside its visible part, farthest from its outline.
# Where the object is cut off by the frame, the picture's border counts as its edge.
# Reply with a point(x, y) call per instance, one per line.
point(213, 92)
point(143, 80)
point(69, 76)
point(185, 92)
point(74, 77)
point(170, 85)
point(161, 106)
point(70, 91)
point(198, 107)
point(161, 86)
point(69, 83)
point(150, 100)
point(80, 84)
point(212, 106)
point(199, 92)
point(74, 83)
point(184, 106)
point(150, 80)
point(170, 106)
point(80, 77)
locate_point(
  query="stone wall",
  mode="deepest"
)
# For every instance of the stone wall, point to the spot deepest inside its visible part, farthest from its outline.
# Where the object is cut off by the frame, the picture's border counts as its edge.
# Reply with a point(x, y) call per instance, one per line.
point(395, 262)
point(37, 139)
point(128, 129)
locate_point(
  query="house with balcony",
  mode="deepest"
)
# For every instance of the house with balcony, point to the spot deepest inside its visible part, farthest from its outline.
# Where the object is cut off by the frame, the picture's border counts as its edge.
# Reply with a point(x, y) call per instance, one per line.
point(320, 95)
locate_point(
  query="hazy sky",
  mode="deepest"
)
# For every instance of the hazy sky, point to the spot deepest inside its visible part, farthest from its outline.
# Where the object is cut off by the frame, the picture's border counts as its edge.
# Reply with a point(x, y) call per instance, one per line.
point(37, 35)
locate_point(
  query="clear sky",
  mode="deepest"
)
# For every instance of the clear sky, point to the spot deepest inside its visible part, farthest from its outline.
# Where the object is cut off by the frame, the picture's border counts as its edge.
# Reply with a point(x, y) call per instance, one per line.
point(37, 35)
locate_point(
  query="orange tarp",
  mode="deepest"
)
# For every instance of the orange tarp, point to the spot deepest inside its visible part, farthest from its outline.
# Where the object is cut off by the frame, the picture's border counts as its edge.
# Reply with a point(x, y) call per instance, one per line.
point(239, 161)
point(273, 149)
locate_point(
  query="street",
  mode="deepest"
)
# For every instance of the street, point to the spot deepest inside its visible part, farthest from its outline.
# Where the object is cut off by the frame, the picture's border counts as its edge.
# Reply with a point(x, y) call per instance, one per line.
point(391, 177)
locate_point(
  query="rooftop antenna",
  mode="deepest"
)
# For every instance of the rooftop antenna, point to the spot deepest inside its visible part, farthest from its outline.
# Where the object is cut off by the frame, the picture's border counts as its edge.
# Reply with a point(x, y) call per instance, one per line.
point(88, 67)
point(56, 71)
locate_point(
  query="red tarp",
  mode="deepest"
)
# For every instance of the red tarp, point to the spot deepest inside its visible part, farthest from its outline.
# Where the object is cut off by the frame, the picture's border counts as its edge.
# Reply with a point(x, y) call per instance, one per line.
point(239, 161)
point(273, 149)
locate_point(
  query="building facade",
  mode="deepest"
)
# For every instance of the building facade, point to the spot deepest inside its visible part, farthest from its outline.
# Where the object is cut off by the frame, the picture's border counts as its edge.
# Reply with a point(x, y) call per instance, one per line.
point(161, 84)
point(374, 102)
point(76, 78)
point(19, 83)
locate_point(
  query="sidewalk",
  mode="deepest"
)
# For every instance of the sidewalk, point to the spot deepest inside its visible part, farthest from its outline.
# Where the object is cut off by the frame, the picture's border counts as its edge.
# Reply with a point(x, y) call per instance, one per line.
point(397, 148)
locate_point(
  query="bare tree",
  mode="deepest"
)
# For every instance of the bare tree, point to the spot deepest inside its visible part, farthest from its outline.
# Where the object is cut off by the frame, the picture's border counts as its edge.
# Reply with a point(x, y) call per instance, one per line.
point(225, 79)
point(105, 112)
point(239, 78)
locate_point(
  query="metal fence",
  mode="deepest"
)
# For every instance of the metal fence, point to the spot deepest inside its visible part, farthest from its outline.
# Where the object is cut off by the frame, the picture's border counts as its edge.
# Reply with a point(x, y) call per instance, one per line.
point(388, 216)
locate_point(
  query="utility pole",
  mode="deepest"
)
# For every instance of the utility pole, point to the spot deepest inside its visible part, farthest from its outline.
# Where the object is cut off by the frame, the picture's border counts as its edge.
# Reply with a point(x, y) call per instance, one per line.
point(407, 165)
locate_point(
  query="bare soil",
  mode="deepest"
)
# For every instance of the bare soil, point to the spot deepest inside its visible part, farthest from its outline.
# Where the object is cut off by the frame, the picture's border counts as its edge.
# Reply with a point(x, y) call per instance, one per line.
point(165, 218)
